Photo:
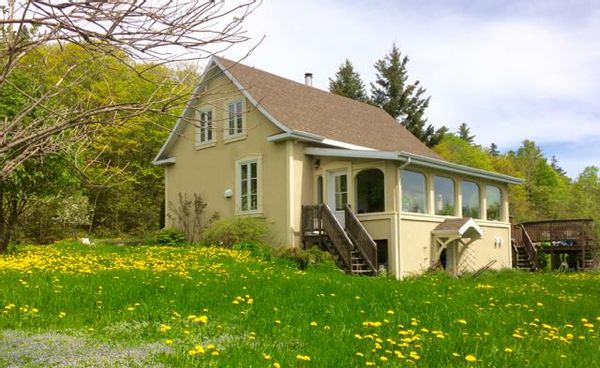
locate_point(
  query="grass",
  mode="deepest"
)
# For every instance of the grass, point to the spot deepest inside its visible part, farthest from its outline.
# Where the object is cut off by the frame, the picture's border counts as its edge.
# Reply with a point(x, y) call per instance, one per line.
point(211, 307)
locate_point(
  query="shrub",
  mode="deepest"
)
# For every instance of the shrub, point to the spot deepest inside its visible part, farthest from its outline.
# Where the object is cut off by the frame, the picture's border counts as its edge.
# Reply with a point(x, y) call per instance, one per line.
point(258, 250)
point(230, 231)
point(169, 236)
point(303, 259)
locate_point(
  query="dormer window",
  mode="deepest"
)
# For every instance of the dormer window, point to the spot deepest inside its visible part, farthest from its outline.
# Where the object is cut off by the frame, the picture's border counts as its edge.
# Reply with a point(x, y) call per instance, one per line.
point(235, 121)
point(204, 127)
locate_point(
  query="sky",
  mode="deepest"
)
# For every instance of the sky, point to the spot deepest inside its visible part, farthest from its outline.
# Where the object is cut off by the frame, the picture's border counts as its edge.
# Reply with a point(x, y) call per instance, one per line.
point(512, 70)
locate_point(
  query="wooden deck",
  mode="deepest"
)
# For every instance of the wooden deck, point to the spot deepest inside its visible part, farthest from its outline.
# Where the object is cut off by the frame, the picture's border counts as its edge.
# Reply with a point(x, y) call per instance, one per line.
point(572, 236)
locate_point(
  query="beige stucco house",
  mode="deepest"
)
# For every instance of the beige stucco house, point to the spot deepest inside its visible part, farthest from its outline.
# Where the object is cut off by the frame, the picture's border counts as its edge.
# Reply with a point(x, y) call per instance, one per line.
point(256, 144)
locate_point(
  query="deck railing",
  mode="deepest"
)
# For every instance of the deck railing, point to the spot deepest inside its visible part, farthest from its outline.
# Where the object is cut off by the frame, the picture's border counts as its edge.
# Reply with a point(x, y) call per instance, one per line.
point(578, 231)
point(365, 244)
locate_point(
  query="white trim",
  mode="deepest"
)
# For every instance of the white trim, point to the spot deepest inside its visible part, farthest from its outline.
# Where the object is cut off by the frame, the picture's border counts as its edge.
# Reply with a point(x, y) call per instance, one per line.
point(417, 160)
point(333, 142)
point(295, 135)
point(166, 161)
point(470, 223)
point(227, 137)
point(198, 127)
point(238, 184)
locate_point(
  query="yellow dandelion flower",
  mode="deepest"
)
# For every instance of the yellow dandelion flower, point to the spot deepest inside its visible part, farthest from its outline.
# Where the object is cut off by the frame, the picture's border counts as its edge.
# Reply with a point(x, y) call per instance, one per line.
point(313, 323)
point(266, 356)
point(359, 354)
point(462, 321)
point(470, 358)
point(276, 365)
point(456, 355)
point(305, 358)
point(383, 358)
point(508, 350)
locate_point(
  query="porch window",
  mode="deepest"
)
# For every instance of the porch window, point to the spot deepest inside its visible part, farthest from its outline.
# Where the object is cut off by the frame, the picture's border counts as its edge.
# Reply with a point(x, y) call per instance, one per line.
point(370, 195)
point(204, 127)
point(341, 191)
point(444, 196)
point(248, 185)
point(493, 198)
point(235, 119)
point(470, 200)
point(414, 189)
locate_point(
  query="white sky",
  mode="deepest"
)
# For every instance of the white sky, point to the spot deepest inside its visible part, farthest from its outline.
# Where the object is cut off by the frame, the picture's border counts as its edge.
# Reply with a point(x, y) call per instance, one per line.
point(511, 70)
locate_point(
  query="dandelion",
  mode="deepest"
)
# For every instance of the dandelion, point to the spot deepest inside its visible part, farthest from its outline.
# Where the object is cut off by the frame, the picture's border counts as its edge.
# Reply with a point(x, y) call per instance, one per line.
point(266, 356)
point(169, 342)
point(164, 328)
point(313, 323)
point(457, 355)
point(305, 358)
point(508, 350)
point(470, 358)
point(276, 365)
point(359, 354)
point(462, 321)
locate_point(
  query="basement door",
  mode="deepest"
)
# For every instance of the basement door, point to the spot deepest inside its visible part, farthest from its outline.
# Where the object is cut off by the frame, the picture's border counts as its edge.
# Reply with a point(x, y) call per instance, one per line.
point(338, 194)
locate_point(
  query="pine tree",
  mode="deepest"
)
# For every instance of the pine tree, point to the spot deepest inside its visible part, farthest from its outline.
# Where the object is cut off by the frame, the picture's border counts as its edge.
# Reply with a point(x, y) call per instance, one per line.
point(464, 133)
point(347, 83)
point(404, 101)
point(493, 150)
point(554, 164)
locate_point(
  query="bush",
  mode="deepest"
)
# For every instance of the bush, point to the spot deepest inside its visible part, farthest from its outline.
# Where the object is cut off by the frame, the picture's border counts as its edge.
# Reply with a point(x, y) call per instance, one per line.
point(257, 250)
point(169, 236)
point(230, 231)
point(303, 259)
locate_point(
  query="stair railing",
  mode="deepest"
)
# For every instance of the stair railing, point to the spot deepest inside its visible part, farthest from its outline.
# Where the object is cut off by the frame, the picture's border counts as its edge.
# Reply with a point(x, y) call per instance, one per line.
point(530, 248)
point(363, 241)
point(340, 240)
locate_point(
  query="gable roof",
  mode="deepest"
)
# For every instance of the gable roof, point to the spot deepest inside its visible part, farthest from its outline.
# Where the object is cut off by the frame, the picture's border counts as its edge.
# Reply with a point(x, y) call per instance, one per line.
point(305, 112)
point(464, 227)
point(310, 110)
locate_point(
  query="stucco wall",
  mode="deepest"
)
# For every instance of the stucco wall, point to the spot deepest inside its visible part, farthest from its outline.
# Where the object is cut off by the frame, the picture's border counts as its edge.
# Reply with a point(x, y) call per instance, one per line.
point(211, 170)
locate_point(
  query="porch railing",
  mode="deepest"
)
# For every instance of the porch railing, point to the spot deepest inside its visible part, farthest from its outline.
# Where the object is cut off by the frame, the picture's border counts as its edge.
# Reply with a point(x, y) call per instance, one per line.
point(363, 241)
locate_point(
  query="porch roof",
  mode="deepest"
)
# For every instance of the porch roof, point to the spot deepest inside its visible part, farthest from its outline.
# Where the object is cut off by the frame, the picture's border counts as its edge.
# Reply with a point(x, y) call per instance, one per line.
point(458, 228)
point(410, 158)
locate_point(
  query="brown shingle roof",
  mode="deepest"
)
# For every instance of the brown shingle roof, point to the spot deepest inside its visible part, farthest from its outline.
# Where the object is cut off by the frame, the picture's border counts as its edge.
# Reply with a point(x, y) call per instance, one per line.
point(311, 110)
point(452, 224)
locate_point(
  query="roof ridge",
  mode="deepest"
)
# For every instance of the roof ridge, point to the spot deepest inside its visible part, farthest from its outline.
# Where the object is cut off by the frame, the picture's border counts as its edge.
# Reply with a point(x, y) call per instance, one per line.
point(304, 85)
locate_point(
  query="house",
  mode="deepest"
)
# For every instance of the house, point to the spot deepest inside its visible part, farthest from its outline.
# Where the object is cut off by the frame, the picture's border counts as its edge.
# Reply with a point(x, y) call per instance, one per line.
point(326, 169)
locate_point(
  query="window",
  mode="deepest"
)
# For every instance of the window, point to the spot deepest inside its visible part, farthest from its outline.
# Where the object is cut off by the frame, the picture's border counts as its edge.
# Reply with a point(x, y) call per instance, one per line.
point(370, 191)
point(493, 199)
point(205, 127)
point(470, 199)
point(414, 197)
point(444, 195)
point(341, 191)
point(249, 186)
point(235, 119)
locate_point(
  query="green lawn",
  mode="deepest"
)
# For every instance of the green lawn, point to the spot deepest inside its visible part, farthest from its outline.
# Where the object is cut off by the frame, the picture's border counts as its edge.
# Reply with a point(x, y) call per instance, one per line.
point(68, 305)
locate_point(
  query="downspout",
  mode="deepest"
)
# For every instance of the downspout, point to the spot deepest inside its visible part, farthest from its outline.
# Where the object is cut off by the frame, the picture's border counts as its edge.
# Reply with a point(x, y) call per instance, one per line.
point(398, 222)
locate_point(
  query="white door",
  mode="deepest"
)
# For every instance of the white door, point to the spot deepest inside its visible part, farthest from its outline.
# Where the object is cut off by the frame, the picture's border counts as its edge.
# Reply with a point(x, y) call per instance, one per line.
point(338, 194)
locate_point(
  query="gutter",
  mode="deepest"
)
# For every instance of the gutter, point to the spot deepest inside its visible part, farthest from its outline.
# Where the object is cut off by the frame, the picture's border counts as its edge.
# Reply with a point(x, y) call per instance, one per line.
point(166, 161)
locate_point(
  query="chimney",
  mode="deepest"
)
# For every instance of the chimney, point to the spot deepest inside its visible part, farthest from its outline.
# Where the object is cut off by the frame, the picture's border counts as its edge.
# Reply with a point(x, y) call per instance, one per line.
point(308, 79)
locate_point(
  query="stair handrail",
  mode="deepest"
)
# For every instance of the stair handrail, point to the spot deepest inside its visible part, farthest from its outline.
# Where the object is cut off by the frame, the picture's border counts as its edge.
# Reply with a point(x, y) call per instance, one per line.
point(337, 235)
point(364, 242)
point(530, 248)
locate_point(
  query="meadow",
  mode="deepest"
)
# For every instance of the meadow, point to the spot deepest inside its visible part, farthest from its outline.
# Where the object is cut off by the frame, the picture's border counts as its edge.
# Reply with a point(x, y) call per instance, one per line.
point(69, 305)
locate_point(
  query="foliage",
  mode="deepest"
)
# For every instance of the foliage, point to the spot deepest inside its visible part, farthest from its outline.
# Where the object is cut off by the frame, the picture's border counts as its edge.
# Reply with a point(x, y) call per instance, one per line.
point(347, 83)
point(258, 250)
point(305, 258)
point(405, 102)
point(188, 214)
point(235, 230)
point(464, 133)
point(169, 236)
point(210, 306)
point(455, 149)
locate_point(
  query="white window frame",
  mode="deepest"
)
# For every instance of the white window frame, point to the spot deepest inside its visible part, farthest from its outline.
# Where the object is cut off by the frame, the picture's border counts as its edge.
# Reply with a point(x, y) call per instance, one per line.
point(228, 136)
point(248, 160)
point(200, 128)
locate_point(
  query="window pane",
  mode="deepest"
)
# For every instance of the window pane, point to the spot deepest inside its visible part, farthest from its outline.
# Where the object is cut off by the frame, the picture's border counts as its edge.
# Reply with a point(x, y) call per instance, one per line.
point(370, 191)
point(253, 170)
point(470, 199)
point(444, 195)
point(414, 198)
point(253, 186)
point(254, 202)
point(208, 125)
point(244, 172)
point(493, 199)
point(231, 119)
point(244, 203)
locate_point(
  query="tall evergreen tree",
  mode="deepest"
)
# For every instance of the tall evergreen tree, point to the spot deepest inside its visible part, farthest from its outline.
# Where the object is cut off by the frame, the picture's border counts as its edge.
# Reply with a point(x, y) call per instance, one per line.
point(347, 83)
point(554, 164)
point(464, 133)
point(404, 101)
point(493, 150)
